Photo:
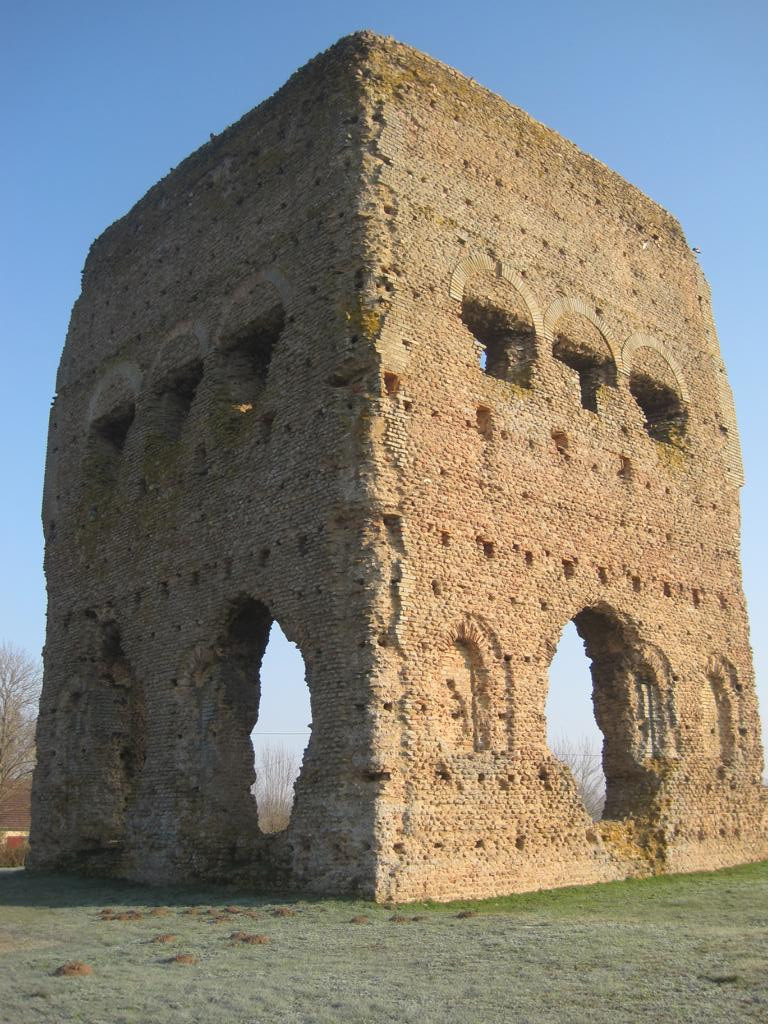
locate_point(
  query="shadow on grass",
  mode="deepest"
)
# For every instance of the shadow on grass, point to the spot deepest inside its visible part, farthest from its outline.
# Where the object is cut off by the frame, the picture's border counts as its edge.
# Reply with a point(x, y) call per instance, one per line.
point(21, 888)
point(632, 898)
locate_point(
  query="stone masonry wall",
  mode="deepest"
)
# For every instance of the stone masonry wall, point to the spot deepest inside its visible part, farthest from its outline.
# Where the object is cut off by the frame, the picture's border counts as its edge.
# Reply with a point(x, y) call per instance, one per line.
point(206, 475)
point(393, 364)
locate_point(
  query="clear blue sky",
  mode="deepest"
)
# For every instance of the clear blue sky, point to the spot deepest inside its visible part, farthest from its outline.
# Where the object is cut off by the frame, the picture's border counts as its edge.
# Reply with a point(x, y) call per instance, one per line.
point(100, 99)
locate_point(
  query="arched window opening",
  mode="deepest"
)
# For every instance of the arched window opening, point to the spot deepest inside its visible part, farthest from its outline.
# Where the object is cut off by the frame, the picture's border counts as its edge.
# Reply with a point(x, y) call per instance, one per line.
point(629, 712)
point(106, 441)
point(112, 428)
point(174, 395)
point(717, 709)
point(282, 731)
point(500, 321)
point(664, 412)
point(248, 354)
point(581, 347)
point(572, 733)
point(464, 705)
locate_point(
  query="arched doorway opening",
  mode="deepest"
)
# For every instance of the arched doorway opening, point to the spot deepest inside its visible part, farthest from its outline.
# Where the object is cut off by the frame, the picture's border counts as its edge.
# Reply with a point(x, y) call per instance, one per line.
point(632, 705)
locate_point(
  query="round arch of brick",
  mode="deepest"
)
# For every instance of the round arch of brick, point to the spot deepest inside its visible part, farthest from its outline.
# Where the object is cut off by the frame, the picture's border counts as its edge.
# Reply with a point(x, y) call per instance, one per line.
point(639, 341)
point(123, 380)
point(718, 665)
point(465, 269)
point(473, 630)
point(521, 286)
point(280, 283)
point(270, 275)
point(186, 341)
point(482, 262)
point(566, 304)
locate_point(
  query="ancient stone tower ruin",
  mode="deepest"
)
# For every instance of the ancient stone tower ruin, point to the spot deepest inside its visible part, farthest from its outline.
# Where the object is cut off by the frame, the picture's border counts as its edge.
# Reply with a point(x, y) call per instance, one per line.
point(398, 367)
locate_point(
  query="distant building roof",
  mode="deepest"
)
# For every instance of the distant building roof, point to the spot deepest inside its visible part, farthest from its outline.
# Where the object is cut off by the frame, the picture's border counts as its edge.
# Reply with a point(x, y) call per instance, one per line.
point(15, 811)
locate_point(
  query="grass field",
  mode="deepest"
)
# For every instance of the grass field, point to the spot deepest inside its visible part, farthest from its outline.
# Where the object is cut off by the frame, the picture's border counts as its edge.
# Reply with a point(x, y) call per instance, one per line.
point(661, 951)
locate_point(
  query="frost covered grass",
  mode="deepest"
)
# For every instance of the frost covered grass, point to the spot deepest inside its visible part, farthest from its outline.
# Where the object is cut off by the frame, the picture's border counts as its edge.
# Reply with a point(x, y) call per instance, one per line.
point(669, 950)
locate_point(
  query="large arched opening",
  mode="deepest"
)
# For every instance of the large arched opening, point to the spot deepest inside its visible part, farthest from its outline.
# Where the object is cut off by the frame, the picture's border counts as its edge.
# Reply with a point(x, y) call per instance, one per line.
point(282, 730)
point(248, 691)
point(573, 735)
point(631, 704)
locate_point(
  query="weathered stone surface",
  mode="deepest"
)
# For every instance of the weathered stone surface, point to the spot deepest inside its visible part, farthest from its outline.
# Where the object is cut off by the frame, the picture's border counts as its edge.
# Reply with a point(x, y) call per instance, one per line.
point(272, 405)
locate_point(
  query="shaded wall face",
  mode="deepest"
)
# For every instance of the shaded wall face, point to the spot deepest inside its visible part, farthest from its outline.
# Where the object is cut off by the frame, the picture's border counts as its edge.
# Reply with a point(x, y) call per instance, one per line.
point(204, 461)
point(530, 499)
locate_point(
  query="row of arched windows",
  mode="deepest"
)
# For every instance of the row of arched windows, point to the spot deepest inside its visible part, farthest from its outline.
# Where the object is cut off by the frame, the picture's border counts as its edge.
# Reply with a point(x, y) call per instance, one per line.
point(163, 399)
point(495, 308)
point(501, 322)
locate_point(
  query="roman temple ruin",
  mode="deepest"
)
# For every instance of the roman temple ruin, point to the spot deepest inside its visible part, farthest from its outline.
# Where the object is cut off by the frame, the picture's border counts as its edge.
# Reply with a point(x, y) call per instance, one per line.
point(390, 363)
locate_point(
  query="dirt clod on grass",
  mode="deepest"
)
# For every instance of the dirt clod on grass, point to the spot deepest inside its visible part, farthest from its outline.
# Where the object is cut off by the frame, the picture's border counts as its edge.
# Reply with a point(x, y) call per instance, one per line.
point(400, 919)
point(249, 939)
point(164, 937)
point(159, 912)
point(360, 919)
point(463, 914)
point(73, 969)
point(186, 959)
point(283, 912)
point(127, 915)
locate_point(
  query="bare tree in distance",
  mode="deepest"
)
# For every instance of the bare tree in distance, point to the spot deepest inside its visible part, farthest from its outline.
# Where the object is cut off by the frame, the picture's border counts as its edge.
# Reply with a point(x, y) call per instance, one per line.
point(586, 766)
point(20, 681)
point(277, 768)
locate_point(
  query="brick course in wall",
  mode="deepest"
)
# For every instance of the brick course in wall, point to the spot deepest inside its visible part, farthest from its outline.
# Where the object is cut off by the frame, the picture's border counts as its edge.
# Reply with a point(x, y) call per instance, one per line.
point(398, 367)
